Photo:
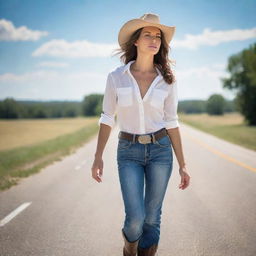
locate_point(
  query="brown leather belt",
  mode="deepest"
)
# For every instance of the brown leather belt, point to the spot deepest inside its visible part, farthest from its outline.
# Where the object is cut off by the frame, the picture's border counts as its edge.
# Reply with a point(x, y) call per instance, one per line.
point(143, 139)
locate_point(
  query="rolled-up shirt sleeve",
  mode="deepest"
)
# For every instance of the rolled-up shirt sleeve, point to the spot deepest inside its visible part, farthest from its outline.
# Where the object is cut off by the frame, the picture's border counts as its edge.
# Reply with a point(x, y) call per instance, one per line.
point(170, 107)
point(109, 103)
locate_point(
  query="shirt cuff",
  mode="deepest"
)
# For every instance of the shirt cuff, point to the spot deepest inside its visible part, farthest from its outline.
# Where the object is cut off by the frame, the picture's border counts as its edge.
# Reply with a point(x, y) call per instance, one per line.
point(172, 124)
point(105, 119)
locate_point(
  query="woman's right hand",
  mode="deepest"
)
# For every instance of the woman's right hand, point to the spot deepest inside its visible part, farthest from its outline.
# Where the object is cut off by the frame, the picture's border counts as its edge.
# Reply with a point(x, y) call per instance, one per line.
point(185, 178)
point(97, 169)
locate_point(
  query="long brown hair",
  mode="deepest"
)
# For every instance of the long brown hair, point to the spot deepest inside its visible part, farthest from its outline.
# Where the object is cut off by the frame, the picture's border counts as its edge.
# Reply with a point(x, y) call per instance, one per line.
point(161, 60)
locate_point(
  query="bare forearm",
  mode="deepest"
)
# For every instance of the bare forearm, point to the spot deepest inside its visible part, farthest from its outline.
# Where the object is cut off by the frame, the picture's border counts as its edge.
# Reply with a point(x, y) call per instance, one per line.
point(103, 136)
point(174, 134)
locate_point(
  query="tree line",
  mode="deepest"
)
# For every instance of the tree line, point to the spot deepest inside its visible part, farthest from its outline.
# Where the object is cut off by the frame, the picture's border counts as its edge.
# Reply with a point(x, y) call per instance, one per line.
point(14, 109)
point(92, 106)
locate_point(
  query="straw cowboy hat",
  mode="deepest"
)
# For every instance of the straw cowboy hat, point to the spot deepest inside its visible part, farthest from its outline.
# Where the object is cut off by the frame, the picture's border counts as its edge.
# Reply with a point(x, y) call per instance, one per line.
point(148, 19)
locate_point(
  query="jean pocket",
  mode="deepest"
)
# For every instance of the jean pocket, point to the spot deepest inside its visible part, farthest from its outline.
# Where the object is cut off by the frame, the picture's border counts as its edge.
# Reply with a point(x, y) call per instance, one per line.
point(157, 98)
point(164, 142)
point(124, 96)
point(124, 144)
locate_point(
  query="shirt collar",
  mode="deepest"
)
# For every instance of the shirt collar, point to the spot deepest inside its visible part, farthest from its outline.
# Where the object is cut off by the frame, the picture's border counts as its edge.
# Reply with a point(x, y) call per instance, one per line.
point(127, 66)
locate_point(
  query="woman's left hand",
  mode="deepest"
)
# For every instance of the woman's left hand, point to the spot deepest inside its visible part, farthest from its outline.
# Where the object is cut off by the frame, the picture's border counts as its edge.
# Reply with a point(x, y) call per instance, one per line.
point(185, 178)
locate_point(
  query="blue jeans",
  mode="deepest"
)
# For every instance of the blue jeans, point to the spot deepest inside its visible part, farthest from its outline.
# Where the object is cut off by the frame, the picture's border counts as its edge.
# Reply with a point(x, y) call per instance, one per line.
point(136, 161)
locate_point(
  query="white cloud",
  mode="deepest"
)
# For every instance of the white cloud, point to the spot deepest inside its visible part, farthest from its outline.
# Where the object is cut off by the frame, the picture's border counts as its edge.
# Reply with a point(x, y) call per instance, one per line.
point(28, 76)
point(84, 48)
point(8, 32)
point(212, 71)
point(53, 64)
point(201, 82)
point(51, 85)
point(76, 49)
point(212, 38)
point(193, 83)
point(45, 75)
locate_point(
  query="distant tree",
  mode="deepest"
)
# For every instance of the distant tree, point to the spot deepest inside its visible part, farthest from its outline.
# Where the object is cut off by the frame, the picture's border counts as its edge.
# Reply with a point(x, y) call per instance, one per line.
point(70, 112)
point(230, 106)
point(191, 106)
point(56, 112)
point(91, 104)
point(242, 69)
point(40, 113)
point(9, 108)
point(215, 105)
point(98, 109)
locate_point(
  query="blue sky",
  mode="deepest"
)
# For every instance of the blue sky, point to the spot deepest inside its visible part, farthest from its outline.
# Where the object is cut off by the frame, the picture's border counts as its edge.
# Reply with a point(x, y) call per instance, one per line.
point(61, 50)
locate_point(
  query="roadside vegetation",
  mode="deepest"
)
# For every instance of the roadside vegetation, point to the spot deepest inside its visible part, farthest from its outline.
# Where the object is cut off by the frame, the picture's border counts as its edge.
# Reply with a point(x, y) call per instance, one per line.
point(22, 161)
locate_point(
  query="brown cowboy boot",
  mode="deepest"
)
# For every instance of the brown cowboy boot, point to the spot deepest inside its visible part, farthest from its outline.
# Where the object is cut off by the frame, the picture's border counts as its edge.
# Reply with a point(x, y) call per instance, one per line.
point(130, 249)
point(147, 251)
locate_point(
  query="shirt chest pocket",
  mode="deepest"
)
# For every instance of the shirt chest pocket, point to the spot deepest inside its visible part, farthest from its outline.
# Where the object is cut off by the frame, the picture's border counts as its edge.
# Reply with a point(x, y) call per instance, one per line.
point(157, 98)
point(124, 96)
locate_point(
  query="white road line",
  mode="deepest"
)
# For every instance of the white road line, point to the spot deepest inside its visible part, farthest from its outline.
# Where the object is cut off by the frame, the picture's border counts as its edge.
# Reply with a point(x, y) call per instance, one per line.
point(14, 213)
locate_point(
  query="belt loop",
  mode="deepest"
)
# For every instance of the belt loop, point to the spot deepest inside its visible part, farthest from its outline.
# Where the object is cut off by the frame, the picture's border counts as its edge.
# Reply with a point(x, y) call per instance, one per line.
point(153, 138)
point(133, 138)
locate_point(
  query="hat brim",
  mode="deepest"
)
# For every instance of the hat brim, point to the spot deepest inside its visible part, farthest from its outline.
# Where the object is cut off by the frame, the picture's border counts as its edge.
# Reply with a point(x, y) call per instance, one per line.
point(132, 25)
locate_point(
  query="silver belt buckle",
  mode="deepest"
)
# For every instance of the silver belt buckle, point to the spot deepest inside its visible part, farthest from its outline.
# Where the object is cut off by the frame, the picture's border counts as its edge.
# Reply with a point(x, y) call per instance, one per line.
point(144, 139)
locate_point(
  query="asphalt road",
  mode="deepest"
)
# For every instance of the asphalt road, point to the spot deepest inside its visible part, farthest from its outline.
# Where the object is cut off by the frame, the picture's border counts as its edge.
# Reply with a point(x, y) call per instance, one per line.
point(63, 211)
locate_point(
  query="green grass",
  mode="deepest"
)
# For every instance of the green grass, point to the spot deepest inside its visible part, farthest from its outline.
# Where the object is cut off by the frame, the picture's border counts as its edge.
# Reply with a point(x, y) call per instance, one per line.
point(24, 161)
point(230, 127)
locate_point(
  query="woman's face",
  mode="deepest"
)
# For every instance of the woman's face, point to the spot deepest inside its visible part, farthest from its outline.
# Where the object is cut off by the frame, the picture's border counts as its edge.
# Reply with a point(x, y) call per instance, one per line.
point(149, 40)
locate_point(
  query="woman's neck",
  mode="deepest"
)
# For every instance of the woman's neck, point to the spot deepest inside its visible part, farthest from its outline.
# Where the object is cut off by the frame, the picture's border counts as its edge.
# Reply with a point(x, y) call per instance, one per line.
point(143, 66)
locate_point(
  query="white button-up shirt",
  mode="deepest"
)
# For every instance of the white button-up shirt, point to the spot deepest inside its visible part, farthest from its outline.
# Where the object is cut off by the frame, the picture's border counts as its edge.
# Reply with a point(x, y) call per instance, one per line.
point(156, 110)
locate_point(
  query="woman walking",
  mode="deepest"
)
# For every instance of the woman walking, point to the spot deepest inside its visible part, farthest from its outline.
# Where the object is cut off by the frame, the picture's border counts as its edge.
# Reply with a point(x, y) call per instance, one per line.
point(143, 93)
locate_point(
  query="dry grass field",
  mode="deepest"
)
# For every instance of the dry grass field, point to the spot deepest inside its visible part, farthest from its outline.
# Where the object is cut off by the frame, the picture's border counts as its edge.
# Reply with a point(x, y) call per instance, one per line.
point(18, 133)
point(209, 121)
point(230, 127)
point(26, 146)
